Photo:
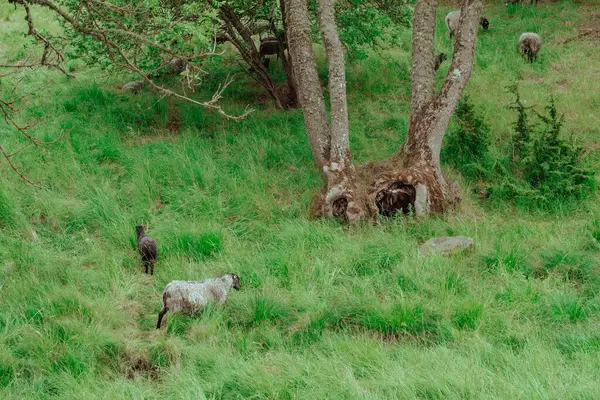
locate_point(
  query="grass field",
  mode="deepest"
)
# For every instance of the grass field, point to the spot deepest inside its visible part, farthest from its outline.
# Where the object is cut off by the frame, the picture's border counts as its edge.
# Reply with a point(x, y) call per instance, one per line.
point(325, 310)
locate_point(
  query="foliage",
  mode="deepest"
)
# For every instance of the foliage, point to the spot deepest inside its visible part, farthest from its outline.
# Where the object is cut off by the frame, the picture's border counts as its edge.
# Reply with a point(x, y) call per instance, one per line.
point(183, 28)
point(366, 24)
point(467, 145)
point(542, 170)
point(545, 169)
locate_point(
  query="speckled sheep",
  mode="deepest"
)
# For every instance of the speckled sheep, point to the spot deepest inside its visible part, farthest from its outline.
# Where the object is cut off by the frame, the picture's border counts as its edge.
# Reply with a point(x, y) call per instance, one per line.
point(529, 45)
point(135, 86)
point(192, 296)
point(454, 16)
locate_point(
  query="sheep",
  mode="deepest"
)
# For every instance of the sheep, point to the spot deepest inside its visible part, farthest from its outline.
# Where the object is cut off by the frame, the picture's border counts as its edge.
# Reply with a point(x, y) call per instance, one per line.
point(220, 38)
point(439, 59)
point(454, 16)
point(146, 248)
point(269, 46)
point(177, 65)
point(135, 86)
point(529, 45)
point(192, 296)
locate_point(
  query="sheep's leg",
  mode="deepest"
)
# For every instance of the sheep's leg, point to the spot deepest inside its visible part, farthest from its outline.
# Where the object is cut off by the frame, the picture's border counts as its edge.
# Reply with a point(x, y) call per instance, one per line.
point(161, 314)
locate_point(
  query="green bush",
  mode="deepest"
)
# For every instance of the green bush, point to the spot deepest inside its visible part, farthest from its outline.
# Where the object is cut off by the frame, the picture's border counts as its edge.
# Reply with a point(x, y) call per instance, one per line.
point(467, 145)
point(542, 170)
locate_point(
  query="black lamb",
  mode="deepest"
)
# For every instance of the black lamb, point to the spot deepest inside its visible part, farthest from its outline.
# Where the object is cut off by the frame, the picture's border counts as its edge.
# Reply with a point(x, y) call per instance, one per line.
point(147, 249)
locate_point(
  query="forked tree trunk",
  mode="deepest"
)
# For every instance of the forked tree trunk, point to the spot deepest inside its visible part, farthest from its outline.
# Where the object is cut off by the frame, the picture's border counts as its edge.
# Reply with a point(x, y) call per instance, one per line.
point(411, 179)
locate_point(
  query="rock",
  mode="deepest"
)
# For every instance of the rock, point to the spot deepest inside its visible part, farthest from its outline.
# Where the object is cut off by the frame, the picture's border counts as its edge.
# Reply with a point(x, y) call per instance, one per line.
point(445, 245)
point(134, 86)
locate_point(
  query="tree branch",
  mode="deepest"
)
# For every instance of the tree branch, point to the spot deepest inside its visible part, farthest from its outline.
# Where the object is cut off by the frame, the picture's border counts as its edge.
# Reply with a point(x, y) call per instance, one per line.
point(304, 67)
point(422, 64)
point(340, 143)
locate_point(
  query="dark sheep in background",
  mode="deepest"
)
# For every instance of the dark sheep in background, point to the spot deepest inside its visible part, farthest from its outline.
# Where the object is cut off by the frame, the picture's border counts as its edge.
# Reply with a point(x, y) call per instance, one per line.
point(146, 248)
point(439, 59)
point(269, 46)
point(220, 38)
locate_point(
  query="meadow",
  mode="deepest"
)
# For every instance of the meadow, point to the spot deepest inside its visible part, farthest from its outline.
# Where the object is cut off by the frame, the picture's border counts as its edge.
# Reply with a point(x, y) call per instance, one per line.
point(326, 310)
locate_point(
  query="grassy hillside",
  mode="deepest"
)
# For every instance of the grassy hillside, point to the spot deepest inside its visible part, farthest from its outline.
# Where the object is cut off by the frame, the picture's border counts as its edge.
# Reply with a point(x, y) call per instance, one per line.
point(325, 310)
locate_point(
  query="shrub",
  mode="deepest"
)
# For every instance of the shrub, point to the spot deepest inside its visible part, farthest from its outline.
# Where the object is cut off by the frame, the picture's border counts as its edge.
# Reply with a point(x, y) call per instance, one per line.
point(467, 145)
point(544, 169)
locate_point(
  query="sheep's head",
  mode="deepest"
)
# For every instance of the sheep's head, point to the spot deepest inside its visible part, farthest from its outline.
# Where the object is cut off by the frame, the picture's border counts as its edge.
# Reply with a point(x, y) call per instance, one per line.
point(484, 22)
point(140, 230)
point(236, 281)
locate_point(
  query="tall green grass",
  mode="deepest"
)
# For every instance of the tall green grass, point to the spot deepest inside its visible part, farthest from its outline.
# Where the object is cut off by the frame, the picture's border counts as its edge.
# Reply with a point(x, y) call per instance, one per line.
point(325, 310)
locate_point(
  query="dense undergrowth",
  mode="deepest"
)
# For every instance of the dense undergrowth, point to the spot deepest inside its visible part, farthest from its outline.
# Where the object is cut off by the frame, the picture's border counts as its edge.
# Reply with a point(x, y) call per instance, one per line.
point(325, 310)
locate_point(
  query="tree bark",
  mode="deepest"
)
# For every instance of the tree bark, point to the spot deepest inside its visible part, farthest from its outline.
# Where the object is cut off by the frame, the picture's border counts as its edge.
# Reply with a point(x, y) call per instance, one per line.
point(286, 60)
point(422, 63)
point(310, 94)
point(343, 198)
point(429, 121)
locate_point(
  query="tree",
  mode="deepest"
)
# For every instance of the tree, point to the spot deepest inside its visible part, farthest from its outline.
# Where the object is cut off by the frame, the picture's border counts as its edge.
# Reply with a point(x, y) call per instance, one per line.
point(143, 37)
point(240, 33)
point(363, 23)
point(412, 178)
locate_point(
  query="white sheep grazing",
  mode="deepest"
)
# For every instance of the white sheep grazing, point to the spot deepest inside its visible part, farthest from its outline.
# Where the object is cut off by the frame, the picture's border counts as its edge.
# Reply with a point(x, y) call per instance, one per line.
point(529, 45)
point(192, 296)
point(454, 16)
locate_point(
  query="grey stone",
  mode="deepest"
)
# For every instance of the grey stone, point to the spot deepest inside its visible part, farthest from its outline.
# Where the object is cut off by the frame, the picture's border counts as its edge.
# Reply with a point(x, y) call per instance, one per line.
point(445, 245)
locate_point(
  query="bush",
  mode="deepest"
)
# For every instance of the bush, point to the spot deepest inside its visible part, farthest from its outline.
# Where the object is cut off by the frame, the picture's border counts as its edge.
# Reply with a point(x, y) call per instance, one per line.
point(468, 143)
point(543, 169)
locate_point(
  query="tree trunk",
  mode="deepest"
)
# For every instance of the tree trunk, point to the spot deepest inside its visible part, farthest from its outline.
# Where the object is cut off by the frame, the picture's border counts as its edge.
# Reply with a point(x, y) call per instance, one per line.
point(412, 179)
point(286, 59)
point(310, 95)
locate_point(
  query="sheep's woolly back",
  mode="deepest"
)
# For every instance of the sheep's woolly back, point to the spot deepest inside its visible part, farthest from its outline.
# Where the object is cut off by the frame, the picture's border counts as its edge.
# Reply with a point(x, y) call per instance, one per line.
point(192, 296)
point(452, 20)
point(530, 41)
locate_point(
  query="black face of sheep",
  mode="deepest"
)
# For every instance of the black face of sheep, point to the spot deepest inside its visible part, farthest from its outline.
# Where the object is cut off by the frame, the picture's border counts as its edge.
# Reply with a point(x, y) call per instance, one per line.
point(439, 59)
point(269, 46)
point(530, 56)
point(236, 281)
point(485, 23)
point(139, 230)
point(220, 38)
